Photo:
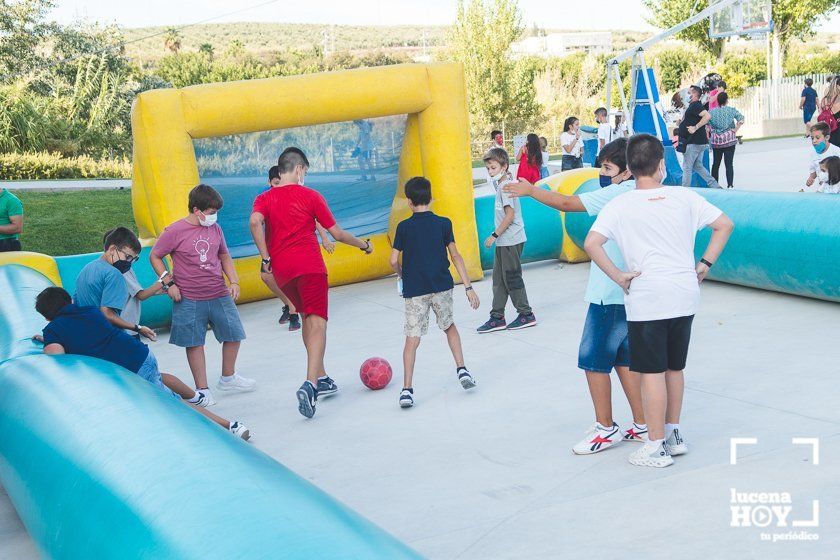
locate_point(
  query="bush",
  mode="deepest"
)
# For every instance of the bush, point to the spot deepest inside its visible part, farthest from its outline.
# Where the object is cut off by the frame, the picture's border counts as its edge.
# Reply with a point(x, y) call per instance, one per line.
point(812, 61)
point(43, 165)
point(674, 66)
point(743, 70)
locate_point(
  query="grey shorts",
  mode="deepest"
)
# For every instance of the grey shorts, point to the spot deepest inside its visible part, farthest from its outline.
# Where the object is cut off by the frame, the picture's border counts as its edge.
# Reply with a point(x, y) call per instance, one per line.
point(417, 312)
point(190, 319)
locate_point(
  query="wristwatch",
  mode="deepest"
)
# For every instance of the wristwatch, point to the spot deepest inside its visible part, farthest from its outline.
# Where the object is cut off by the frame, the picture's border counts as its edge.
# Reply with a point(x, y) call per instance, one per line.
point(136, 328)
point(707, 263)
point(495, 235)
point(468, 289)
point(366, 248)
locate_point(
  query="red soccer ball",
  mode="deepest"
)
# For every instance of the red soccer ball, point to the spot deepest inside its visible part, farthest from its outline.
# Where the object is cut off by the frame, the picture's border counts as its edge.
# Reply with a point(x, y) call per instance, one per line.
point(375, 373)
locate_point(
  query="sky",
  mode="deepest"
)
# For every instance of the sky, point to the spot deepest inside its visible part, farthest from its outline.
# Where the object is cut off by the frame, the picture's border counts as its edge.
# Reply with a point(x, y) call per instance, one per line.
point(552, 14)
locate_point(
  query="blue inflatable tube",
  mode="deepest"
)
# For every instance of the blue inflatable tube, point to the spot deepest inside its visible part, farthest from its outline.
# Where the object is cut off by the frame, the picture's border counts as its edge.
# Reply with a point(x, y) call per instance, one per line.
point(543, 227)
point(782, 242)
point(100, 464)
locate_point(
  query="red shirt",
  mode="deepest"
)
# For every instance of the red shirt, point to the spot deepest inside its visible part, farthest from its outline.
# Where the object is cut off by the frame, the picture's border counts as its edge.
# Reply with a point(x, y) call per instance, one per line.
point(530, 173)
point(290, 213)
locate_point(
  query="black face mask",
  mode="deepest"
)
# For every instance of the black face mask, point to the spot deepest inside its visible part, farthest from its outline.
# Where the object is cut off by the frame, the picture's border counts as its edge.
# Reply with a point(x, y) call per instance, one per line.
point(122, 265)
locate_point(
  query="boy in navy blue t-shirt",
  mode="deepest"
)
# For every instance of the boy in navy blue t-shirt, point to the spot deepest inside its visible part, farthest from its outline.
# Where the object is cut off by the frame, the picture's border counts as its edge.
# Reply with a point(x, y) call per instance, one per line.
point(84, 330)
point(424, 239)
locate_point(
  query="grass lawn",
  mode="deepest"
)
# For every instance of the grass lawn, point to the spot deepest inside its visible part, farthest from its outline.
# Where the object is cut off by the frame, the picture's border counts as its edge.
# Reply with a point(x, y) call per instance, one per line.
point(72, 222)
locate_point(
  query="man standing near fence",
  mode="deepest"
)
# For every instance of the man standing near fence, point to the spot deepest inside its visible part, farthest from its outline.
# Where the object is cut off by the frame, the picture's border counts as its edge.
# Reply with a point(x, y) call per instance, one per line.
point(693, 133)
point(11, 221)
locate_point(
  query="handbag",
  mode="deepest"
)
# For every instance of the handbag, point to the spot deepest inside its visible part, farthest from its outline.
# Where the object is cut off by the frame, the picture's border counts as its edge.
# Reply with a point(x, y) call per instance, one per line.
point(723, 139)
point(827, 117)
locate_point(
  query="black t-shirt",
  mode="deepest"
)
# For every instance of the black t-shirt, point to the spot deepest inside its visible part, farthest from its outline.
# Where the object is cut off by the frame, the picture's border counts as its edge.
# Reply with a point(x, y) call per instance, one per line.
point(691, 118)
point(423, 239)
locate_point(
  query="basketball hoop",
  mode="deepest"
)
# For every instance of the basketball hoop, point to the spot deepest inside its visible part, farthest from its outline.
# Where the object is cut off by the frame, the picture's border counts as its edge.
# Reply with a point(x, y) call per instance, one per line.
point(746, 17)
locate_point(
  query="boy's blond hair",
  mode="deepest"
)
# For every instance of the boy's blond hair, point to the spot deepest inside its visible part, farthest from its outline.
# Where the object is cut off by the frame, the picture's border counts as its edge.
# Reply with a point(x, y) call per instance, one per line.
point(498, 155)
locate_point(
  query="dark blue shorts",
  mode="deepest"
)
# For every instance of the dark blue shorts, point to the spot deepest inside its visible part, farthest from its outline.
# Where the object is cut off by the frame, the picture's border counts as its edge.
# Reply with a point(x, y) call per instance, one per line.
point(604, 343)
point(807, 114)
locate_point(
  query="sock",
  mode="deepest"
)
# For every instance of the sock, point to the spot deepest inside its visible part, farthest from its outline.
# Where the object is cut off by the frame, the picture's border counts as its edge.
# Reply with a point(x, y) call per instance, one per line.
point(227, 378)
point(323, 377)
point(409, 389)
point(602, 427)
point(194, 398)
point(669, 429)
point(657, 441)
point(460, 369)
point(640, 426)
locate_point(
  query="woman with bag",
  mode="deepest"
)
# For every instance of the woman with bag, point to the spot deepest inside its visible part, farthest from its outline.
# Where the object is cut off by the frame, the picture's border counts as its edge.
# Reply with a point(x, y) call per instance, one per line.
point(830, 110)
point(723, 138)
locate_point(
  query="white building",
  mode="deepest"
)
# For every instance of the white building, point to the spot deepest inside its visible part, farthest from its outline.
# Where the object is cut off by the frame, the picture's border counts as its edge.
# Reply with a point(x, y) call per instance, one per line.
point(562, 44)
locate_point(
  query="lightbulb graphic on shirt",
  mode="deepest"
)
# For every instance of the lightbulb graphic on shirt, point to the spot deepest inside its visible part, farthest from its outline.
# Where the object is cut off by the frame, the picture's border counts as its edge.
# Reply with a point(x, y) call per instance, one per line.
point(202, 247)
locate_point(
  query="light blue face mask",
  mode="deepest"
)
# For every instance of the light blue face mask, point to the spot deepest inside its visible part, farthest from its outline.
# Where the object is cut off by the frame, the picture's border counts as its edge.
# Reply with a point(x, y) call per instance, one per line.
point(820, 148)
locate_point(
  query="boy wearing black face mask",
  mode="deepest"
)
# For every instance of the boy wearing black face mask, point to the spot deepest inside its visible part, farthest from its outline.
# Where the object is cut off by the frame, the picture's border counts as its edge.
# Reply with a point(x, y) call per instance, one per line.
point(100, 283)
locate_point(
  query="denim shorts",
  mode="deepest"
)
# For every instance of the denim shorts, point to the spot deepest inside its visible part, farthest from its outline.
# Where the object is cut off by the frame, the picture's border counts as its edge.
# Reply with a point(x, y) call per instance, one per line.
point(190, 319)
point(604, 343)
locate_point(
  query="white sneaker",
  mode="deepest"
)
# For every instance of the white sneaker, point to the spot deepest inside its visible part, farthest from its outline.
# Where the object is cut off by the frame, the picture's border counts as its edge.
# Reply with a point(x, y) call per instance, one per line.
point(239, 429)
point(236, 382)
point(633, 433)
point(675, 444)
point(652, 454)
point(597, 439)
point(203, 397)
point(407, 398)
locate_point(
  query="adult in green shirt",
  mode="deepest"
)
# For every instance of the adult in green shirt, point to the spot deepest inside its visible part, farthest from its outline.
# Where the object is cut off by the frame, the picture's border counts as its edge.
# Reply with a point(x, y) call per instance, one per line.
point(11, 221)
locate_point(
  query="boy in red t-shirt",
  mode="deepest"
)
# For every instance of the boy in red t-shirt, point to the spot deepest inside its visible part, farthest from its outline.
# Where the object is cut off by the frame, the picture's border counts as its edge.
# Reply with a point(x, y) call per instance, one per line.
point(283, 227)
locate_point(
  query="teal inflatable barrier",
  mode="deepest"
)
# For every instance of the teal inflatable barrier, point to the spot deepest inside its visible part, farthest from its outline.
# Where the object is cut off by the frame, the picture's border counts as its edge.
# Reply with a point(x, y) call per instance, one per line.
point(100, 464)
point(782, 242)
point(543, 226)
point(157, 310)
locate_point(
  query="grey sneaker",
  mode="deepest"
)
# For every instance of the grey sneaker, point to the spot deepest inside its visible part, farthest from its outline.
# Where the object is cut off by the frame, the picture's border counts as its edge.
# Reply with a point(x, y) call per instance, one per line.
point(675, 444)
point(652, 455)
point(466, 379)
point(306, 396)
point(407, 398)
point(326, 386)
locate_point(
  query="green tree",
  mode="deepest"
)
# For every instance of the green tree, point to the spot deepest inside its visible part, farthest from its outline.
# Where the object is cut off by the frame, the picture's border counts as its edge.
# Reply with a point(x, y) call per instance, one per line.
point(668, 13)
point(172, 40)
point(23, 28)
point(500, 91)
point(795, 19)
point(206, 49)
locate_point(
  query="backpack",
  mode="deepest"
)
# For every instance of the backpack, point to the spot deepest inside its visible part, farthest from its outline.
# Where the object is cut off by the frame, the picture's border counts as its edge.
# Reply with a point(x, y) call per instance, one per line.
point(828, 118)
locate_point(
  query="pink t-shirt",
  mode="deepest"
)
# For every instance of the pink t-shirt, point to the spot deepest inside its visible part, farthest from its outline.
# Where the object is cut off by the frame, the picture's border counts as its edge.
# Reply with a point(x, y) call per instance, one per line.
point(195, 251)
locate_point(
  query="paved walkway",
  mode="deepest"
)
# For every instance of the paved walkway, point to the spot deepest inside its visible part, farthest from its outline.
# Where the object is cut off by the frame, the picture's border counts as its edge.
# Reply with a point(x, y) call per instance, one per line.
point(489, 473)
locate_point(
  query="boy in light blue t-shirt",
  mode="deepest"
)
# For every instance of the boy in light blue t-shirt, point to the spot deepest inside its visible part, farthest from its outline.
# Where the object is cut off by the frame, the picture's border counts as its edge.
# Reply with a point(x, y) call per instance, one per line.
point(604, 344)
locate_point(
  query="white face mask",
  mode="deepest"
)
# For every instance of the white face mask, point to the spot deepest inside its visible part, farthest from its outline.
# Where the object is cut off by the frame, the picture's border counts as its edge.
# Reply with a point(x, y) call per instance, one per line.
point(663, 172)
point(209, 219)
point(822, 176)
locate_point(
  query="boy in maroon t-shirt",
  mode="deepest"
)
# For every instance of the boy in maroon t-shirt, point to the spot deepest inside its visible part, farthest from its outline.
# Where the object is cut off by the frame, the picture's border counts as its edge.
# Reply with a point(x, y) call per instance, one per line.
point(283, 227)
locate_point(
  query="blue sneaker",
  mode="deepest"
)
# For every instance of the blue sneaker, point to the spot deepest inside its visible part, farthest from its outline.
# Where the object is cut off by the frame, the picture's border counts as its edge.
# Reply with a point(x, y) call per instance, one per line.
point(284, 318)
point(326, 386)
point(306, 396)
point(294, 322)
point(523, 322)
point(491, 325)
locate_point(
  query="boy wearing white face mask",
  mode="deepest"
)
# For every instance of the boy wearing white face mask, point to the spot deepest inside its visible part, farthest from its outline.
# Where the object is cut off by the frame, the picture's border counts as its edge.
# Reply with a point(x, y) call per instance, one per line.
point(509, 237)
point(655, 227)
point(201, 260)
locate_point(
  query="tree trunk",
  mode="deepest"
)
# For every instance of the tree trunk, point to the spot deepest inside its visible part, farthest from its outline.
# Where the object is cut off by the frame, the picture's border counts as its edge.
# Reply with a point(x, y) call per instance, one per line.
point(778, 54)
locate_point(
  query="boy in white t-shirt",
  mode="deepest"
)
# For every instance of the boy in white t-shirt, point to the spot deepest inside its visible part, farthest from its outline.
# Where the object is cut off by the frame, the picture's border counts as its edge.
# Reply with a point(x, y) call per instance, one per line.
point(655, 227)
point(822, 149)
point(605, 131)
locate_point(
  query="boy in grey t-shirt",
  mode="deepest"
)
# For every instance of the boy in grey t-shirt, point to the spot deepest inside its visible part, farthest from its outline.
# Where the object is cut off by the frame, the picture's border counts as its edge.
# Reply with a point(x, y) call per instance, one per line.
point(509, 237)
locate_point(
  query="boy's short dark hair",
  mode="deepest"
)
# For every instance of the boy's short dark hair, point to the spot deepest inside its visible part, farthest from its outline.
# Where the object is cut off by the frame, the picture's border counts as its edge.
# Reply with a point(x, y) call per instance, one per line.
point(273, 173)
point(291, 158)
point(50, 301)
point(204, 197)
point(821, 127)
point(498, 155)
point(615, 152)
point(696, 89)
point(121, 238)
point(600, 111)
point(644, 153)
point(809, 82)
point(721, 85)
point(723, 98)
point(494, 133)
point(419, 191)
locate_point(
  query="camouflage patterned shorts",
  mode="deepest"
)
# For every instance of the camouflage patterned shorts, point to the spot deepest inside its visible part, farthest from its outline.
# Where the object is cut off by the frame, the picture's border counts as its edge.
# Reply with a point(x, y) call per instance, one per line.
point(417, 312)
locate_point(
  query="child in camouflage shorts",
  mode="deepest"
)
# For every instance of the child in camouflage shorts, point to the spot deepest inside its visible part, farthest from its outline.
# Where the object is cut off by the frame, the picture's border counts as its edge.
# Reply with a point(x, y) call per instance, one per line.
point(424, 239)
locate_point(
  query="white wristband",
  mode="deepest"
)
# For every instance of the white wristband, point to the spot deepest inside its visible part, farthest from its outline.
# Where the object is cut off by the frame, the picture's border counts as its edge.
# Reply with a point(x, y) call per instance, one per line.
point(163, 275)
